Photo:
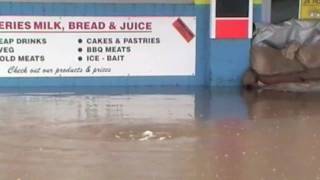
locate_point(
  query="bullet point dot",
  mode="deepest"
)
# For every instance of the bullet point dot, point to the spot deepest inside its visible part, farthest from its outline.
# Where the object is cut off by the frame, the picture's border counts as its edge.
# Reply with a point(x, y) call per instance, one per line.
point(80, 58)
point(79, 40)
point(80, 49)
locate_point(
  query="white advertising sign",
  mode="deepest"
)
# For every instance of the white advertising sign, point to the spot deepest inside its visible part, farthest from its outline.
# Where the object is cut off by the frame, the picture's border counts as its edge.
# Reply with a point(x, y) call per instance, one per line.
point(39, 46)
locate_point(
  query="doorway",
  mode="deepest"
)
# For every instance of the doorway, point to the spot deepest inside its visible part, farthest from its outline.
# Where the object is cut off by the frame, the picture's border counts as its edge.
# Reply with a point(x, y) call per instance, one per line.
point(276, 11)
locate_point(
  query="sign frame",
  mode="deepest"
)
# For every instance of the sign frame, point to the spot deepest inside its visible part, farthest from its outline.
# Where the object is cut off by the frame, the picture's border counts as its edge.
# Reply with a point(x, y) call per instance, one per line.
point(214, 18)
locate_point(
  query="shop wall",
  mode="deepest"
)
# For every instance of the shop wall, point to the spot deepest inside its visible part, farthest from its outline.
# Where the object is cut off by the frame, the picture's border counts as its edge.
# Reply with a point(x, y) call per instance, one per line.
point(218, 63)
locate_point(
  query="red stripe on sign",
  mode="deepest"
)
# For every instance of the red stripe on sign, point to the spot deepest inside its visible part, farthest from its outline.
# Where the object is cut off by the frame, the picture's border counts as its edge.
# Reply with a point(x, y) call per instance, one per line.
point(183, 29)
point(232, 28)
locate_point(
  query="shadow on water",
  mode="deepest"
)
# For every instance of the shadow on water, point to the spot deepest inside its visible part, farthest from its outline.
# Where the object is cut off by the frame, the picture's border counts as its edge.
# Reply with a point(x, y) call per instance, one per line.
point(158, 133)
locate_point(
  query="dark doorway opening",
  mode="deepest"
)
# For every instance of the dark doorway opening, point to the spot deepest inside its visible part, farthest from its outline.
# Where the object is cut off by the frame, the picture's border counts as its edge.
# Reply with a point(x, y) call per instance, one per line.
point(282, 10)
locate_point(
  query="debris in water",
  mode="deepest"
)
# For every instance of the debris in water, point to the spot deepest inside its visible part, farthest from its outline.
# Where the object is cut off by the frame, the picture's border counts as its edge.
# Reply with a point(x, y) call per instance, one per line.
point(162, 138)
point(146, 135)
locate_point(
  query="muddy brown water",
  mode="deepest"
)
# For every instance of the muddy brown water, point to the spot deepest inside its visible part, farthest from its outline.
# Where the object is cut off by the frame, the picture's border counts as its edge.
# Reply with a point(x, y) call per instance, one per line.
point(159, 134)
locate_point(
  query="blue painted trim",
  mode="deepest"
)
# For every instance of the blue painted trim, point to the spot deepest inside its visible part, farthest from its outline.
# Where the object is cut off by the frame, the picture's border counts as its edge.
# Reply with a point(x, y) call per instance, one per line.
point(257, 13)
point(233, 56)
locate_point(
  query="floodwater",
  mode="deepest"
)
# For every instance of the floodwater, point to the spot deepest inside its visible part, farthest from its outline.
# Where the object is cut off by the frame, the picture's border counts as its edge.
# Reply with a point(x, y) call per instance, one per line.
point(158, 134)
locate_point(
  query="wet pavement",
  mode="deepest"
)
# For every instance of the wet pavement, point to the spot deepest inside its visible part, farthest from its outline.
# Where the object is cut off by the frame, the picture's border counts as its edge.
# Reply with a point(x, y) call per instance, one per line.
point(158, 134)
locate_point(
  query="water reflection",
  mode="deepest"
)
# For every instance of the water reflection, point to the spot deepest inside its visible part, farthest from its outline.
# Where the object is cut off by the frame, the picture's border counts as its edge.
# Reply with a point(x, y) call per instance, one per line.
point(195, 133)
point(139, 105)
point(70, 107)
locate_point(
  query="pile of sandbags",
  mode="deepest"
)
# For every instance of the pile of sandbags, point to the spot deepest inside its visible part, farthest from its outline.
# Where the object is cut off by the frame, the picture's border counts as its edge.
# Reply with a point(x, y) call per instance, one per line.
point(286, 57)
